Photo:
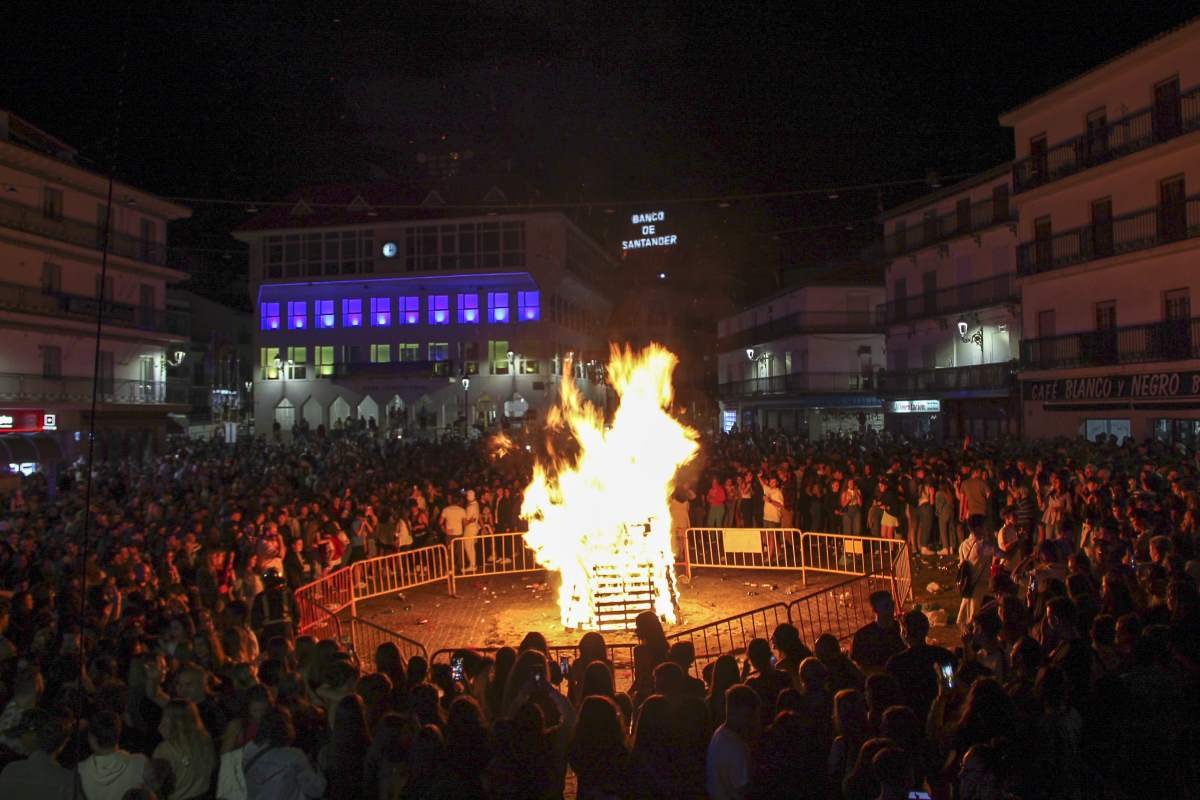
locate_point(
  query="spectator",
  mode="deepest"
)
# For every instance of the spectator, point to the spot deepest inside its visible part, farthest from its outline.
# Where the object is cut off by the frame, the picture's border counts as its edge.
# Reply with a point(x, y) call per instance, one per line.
point(40, 776)
point(851, 730)
point(914, 668)
point(877, 641)
point(724, 676)
point(110, 772)
point(729, 752)
point(843, 673)
point(274, 769)
point(766, 680)
point(599, 754)
point(187, 750)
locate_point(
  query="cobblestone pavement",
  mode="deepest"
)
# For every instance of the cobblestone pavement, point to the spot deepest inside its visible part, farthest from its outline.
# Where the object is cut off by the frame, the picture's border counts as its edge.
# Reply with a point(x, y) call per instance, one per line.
point(500, 609)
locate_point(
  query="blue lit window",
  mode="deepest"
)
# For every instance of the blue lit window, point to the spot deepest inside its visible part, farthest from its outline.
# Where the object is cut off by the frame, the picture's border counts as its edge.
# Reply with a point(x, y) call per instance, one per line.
point(270, 316)
point(529, 306)
point(439, 309)
point(409, 309)
point(468, 308)
point(498, 307)
point(297, 314)
point(439, 351)
point(381, 311)
point(352, 312)
point(324, 312)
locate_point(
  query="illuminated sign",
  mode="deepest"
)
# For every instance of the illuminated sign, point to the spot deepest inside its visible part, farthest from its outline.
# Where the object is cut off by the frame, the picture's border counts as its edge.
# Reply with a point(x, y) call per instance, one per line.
point(27, 421)
point(647, 224)
point(915, 406)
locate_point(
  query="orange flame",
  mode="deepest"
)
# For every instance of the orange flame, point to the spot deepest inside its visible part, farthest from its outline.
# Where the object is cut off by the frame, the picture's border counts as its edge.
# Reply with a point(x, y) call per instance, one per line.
point(606, 511)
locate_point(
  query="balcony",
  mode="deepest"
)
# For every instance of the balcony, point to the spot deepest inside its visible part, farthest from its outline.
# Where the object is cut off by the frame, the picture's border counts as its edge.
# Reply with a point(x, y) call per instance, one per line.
point(1129, 134)
point(1170, 340)
point(78, 389)
point(63, 305)
point(951, 299)
point(30, 219)
point(933, 230)
point(803, 322)
point(800, 383)
point(1128, 233)
point(949, 381)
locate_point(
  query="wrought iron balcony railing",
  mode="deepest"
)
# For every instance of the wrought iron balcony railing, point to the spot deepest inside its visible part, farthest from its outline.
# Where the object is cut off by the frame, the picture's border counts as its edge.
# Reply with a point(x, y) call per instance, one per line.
point(1169, 340)
point(801, 383)
point(1137, 230)
point(933, 230)
point(951, 299)
point(947, 380)
point(1133, 132)
point(78, 389)
point(865, 321)
point(36, 300)
point(31, 219)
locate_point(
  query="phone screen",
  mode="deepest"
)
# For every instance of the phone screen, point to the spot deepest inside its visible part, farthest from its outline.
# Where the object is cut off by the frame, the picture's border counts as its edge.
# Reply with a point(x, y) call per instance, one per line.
point(564, 664)
point(774, 661)
point(456, 669)
point(915, 795)
point(947, 674)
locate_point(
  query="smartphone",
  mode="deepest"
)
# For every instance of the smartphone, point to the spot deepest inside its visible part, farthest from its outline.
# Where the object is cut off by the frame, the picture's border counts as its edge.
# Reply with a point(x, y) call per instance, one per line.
point(774, 661)
point(946, 675)
point(564, 664)
point(456, 669)
point(916, 795)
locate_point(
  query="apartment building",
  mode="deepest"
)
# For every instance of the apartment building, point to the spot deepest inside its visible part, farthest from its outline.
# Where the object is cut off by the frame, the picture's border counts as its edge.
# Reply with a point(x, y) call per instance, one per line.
point(416, 307)
point(55, 223)
point(952, 312)
point(1106, 184)
point(805, 360)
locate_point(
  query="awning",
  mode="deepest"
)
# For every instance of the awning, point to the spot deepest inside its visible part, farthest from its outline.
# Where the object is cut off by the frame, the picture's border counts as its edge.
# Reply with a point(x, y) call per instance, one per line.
point(47, 449)
point(20, 449)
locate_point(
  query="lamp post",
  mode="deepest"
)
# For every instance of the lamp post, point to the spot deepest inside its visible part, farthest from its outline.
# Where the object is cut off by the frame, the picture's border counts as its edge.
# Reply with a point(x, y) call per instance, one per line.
point(512, 370)
point(466, 384)
point(974, 338)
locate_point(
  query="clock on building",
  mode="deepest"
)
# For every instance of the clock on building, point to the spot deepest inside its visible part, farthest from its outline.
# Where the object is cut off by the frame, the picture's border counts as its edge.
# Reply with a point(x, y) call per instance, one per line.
point(389, 250)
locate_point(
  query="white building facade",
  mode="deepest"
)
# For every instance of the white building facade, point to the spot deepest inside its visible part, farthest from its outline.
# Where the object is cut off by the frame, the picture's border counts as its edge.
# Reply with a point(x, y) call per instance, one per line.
point(55, 219)
point(952, 312)
point(421, 325)
point(805, 360)
point(1107, 186)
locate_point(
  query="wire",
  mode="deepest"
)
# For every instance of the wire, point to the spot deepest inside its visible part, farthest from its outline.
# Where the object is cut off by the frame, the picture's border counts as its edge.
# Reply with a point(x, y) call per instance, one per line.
point(611, 203)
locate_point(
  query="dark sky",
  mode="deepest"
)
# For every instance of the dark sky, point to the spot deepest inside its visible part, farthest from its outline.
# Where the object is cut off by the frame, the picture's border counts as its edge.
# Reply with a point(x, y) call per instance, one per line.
point(592, 101)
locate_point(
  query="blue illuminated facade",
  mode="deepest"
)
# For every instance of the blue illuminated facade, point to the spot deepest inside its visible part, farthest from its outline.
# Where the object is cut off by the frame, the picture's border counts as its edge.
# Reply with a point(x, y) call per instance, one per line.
point(500, 302)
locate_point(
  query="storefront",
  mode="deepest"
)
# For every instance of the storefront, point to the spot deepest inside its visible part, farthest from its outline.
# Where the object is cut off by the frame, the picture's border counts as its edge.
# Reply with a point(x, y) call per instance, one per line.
point(1161, 405)
point(29, 439)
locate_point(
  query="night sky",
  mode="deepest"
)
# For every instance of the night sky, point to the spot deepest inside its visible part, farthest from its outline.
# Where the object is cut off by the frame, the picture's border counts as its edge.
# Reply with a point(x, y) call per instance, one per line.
point(590, 101)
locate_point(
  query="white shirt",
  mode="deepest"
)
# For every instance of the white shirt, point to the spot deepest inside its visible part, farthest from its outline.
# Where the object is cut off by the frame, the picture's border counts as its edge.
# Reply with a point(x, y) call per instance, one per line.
point(471, 527)
point(727, 772)
point(453, 517)
point(772, 503)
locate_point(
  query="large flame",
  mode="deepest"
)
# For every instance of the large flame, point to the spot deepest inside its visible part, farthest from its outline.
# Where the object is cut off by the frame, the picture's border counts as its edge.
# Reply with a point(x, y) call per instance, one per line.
point(606, 509)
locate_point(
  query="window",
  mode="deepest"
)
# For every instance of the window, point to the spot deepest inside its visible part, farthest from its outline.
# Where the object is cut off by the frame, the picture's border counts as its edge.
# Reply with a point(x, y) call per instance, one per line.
point(269, 316)
point(498, 356)
point(52, 203)
point(1177, 304)
point(487, 245)
point(51, 277)
point(268, 362)
point(381, 353)
point(409, 308)
point(468, 308)
point(1106, 315)
point(381, 311)
point(147, 246)
point(529, 306)
point(439, 351)
point(498, 307)
point(338, 252)
point(1043, 242)
point(352, 312)
point(296, 360)
point(531, 366)
point(470, 358)
point(51, 361)
point(408, 352)
point(297, 314)
point(323, 360)
point(1119, 428)
point(439, 309)
point(324, 313)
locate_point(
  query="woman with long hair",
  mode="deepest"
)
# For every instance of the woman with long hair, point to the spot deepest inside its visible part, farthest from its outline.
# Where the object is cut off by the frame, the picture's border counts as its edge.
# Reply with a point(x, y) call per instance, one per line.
point(852, 505)
point(654, 748)
point(597, 679)
point(850, 729)
point(651, 651)
point(187, 749)
point(244, 729)
point(467, 738)
point(599, 754)
point(505, 658)
point(591, 648)
point(342, 760)
point(273, 768)
point(386, 763)
point(390, 662)
point(724, 674)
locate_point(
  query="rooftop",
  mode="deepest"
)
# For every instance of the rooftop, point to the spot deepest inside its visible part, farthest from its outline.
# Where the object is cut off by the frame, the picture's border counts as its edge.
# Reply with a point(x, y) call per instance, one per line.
point(924, 200)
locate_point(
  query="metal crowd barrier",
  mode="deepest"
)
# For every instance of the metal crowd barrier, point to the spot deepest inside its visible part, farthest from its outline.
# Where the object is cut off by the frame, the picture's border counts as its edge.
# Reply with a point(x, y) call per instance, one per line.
point(494, 554)
point(620, 659)
point(732, 634)
point(744, 548)
point(322, 598)
point(367, 636)
point(840, 609)
point(395, 572)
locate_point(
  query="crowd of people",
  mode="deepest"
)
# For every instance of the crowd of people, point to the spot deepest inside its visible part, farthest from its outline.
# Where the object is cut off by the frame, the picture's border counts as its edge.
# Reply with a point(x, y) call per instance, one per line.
point(139, 656)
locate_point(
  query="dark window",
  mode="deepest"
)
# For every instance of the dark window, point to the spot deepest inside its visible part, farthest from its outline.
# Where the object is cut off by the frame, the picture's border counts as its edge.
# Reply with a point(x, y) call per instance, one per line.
point(1167, 116)
point(1102, 227)
point(1172, 209)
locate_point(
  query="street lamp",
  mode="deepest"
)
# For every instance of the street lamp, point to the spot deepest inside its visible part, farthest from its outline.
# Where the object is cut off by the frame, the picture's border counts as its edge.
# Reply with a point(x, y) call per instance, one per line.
point(974, 338)
point(466, 384)
point(750, 353)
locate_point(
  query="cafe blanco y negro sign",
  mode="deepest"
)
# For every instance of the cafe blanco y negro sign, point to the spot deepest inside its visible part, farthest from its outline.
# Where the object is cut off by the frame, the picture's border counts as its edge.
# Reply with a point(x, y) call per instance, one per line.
point(647, 224)
point(1146, 386)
